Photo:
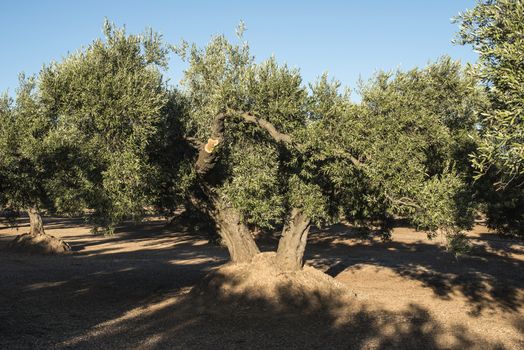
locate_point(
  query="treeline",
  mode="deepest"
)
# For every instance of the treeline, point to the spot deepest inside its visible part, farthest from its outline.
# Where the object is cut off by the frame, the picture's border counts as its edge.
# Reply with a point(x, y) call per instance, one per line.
point(251, 146)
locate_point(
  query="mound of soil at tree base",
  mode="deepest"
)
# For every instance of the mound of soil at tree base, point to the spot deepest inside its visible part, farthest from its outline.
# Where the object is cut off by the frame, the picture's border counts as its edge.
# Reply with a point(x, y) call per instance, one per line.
point(38, 244)
point(261, 283)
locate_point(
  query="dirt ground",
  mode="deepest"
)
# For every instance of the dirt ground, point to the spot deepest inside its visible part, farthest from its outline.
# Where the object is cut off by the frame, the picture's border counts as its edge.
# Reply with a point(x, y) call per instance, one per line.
point(131, 291)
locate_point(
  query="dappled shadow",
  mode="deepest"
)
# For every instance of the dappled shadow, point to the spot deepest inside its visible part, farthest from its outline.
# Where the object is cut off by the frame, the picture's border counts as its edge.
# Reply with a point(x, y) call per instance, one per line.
point(188, 320)
point(106, 295)
point(487, 279)
point(47, 299)
point(501, 245)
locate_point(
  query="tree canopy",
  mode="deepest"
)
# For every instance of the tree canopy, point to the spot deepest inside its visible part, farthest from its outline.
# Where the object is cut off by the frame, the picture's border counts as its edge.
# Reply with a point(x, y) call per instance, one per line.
point(111, 96)
point(41, 166)
point(494, 28)
point(287, 155)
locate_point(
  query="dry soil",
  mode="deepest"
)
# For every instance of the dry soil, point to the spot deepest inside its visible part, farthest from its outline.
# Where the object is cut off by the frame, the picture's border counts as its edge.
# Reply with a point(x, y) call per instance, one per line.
point(133, 291)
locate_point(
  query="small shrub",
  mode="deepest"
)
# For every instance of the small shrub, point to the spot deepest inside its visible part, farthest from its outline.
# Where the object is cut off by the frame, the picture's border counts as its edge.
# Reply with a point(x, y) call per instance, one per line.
point(458, 243)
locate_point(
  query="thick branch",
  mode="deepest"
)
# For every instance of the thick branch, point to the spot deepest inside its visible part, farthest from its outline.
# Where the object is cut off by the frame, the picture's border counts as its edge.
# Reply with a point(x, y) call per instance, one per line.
point(403, 201)
point(270, 128)
point(207, 158)
point(292, 244)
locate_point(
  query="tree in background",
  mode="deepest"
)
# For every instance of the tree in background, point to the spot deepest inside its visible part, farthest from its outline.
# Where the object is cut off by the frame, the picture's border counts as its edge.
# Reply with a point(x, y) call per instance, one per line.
point(79, 135)
point(112, 97)
point(418, 130)
point(41, 167)
point(495, 30)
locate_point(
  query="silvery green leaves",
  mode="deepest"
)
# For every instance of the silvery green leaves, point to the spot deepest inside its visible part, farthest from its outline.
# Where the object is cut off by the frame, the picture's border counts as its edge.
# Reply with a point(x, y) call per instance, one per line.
point(111, 96)
point(416, 147)
point(495, 30)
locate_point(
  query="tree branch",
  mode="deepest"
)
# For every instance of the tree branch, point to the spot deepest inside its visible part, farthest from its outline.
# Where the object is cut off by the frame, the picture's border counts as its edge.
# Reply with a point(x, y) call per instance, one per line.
point(193, 142)
point(207, 158)
point(345, 154)
point(355, 161)
point(285, 138)
point(403, 201)
point(264, 124)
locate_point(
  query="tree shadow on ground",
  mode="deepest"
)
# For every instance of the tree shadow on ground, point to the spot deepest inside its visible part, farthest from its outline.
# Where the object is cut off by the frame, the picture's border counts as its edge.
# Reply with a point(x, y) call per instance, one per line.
point(70, 315)
point(55, 222)
point(154, 230)
point(45, 299)
point(189, 321)
point(487, 279)
point(499, 244)
point(103, 297)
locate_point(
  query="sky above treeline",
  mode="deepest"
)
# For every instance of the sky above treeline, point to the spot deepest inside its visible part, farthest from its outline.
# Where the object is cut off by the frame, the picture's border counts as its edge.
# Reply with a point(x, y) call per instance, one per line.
point(348, 39)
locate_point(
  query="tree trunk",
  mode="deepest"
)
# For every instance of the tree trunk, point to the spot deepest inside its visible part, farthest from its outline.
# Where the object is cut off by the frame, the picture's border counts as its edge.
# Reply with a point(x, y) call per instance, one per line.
point(236, 235)
point(35, 222)
point(292, 244)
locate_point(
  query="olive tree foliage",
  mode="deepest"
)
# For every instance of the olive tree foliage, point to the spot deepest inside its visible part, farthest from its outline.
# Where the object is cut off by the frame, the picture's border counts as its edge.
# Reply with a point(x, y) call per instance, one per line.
point(111, 96)
point(247, 143)
point(271, 152)
point(418, 129)
point(495, 30)
point(41, 167)
point(246, 111)
point(402, 152)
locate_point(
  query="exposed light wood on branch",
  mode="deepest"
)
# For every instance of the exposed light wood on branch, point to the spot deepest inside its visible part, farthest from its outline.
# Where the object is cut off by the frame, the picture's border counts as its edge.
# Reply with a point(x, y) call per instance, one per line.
point(207, 158)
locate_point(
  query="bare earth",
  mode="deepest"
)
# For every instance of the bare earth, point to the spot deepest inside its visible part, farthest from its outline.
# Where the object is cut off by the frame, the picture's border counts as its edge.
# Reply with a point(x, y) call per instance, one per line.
point(131, 291)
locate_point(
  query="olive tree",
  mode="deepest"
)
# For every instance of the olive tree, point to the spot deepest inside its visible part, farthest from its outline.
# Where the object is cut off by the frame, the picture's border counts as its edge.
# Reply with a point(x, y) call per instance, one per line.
point(402, 152)
point(111, 95)
point(494, 28)
point(40, 166)
point(270, 152)
point(419, 131)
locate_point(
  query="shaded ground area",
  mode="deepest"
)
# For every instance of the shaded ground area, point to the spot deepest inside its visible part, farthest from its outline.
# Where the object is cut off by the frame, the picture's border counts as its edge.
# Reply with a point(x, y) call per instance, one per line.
point(131, 290)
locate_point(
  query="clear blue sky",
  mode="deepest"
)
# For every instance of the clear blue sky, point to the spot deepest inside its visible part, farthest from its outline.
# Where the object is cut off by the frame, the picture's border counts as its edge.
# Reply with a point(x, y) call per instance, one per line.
point(346, 38)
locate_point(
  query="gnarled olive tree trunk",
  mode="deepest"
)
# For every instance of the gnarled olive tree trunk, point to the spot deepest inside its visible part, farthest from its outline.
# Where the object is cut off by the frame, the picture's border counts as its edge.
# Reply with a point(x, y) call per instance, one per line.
point(292, 244)
point(35, 222)
point(234, 233)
